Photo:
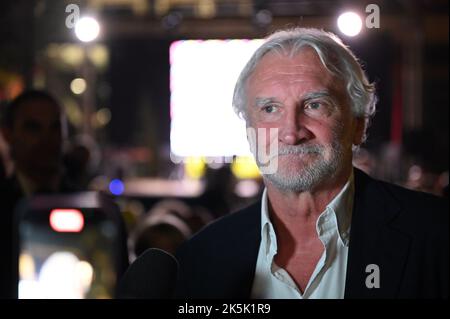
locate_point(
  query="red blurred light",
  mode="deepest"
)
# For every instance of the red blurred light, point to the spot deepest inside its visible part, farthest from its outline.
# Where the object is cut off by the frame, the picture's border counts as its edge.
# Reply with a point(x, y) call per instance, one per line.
point(66, 220)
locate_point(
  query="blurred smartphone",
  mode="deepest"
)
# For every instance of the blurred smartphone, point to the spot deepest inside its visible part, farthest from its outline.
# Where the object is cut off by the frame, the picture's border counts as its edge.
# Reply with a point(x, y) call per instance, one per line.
point(69, 246)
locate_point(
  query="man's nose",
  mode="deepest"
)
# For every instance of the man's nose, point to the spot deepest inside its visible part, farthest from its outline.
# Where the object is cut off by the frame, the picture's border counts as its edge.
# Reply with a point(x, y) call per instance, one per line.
point(293, 130)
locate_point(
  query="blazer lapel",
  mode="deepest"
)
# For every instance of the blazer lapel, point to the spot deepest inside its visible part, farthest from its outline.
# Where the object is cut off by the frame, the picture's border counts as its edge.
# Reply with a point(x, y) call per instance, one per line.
point(233, 269)
point(246, 251)
point(374, 241)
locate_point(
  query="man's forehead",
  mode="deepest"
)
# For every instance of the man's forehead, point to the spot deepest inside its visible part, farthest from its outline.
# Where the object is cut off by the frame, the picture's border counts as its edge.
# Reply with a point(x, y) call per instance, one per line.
point(305, 62)
point(303, 68)
point(301, 57)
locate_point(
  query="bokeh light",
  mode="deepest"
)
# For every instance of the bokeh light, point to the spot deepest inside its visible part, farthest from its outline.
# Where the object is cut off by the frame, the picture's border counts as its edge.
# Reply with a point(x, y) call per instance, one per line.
point(349, 23)
point(87, 29)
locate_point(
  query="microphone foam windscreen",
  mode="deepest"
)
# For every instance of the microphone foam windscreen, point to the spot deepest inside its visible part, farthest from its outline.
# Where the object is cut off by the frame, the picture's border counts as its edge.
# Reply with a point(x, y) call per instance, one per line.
point(151, 276)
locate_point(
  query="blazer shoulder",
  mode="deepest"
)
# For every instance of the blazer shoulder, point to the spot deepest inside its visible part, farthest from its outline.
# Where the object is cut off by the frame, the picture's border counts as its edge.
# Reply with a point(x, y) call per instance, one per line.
point(219, 261)
point(417, 214)
point(416, 200)
point(421, 211)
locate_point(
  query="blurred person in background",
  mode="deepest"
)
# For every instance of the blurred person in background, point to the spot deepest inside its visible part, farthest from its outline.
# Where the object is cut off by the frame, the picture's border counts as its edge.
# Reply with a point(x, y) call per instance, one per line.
point(442, 184)
point(81, 161)
point(162, 227)
point(195, 217)
point(3, 155)
point(218, 194)
point(34, 127)
point(363, 160)
point(2, 170)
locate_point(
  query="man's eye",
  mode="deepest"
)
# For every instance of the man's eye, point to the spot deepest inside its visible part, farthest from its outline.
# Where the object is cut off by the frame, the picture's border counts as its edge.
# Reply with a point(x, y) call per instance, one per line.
point(313, 106)
point(269, 108)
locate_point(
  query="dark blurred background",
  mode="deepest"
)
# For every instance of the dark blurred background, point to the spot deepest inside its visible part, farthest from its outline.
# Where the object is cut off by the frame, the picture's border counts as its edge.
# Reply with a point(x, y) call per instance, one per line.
point(116, 92)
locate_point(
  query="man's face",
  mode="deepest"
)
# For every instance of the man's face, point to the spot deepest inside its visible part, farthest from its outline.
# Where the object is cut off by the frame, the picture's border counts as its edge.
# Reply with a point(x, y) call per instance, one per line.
point(36, 138)
point(309, 107)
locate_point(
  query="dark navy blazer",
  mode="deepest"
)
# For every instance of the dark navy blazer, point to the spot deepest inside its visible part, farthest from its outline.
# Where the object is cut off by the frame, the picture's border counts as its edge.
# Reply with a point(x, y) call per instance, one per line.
point(404, 232)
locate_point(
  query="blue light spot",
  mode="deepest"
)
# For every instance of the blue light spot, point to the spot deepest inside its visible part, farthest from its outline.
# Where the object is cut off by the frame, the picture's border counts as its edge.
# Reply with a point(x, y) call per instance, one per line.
point(116, 187)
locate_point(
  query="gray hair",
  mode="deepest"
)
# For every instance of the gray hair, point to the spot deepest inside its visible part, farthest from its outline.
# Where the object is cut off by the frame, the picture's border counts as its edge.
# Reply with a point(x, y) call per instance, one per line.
point(334, 55)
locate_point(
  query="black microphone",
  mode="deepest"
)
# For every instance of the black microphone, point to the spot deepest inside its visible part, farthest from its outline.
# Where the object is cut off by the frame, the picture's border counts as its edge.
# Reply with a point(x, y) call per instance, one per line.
point(152, 275)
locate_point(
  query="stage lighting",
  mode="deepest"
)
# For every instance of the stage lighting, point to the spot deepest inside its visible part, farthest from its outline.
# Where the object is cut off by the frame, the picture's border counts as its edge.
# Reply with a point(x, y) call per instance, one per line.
point(349, 23)
point(87, 29)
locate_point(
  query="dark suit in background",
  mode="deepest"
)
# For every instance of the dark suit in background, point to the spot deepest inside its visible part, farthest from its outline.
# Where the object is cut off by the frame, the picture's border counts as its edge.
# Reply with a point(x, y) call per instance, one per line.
point(10, 195)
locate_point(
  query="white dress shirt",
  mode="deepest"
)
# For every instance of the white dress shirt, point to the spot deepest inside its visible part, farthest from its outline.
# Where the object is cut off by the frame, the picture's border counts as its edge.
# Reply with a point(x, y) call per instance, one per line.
point(328, 278)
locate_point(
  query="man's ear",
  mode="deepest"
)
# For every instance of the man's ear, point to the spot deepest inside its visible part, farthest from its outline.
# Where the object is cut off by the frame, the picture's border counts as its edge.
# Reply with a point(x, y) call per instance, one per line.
point(7, 134)
point(360, 127)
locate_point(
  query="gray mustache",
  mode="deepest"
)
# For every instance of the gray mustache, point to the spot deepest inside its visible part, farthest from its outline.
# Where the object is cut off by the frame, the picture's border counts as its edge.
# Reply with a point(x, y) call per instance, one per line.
point(298, 149)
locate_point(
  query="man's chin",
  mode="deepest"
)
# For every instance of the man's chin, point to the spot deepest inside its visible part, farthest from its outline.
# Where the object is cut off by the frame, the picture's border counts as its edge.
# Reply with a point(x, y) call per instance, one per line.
point(298, 177)
point(283, 183)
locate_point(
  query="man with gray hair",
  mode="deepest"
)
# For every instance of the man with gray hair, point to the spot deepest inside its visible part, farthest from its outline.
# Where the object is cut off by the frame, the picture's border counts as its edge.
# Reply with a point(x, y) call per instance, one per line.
point(323, 229)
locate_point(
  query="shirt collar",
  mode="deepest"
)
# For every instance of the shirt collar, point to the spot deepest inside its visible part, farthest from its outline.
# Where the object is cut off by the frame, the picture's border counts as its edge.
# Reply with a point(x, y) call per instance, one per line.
point(341, 206)
point(267, 230)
